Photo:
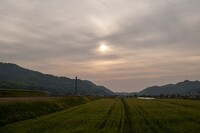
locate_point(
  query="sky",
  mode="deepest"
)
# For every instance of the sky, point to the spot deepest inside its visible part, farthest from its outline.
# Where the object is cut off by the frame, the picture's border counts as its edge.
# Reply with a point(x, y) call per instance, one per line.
point(125, 45)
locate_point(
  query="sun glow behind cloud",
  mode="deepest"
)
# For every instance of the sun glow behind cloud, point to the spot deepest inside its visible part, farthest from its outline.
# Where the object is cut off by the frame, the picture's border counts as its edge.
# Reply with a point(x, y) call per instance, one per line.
point(103, 47)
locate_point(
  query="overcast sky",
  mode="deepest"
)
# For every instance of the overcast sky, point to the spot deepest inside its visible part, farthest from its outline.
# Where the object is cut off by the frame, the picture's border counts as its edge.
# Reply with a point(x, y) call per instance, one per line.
point(148, 42)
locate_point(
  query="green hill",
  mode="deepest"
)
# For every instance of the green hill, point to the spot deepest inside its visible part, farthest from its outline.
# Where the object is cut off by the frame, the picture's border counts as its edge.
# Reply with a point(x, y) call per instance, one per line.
point(13, 76)
point(182, 88)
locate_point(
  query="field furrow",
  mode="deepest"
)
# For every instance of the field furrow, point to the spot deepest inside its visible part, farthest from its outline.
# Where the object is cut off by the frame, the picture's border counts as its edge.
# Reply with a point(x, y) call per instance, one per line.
point(117, 116)
point(127, 124)
point(151, 116)
point(106, 115)
point(114, 119)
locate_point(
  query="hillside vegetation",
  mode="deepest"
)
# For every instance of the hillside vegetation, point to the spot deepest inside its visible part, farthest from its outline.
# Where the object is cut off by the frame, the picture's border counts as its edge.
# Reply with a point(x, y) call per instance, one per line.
point(13, 76)
point(118, 116)
point(185, 88)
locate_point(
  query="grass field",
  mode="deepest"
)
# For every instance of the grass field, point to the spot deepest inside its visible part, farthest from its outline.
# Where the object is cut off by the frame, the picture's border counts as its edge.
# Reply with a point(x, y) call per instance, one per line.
point(117, 116)
point(23, 108)
point(22, 93)
point(157, 116)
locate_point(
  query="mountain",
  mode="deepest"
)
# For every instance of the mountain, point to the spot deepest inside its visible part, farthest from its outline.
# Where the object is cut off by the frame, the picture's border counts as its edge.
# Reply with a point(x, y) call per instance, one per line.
point(123, 94)
point(183, 88)
point(13, 76)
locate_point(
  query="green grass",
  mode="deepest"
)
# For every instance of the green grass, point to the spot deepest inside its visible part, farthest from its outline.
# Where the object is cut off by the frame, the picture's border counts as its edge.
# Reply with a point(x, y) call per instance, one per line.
point(18, 109)
point(105, 115)
point(117, 116)
point(21, 93)
point(158, 116)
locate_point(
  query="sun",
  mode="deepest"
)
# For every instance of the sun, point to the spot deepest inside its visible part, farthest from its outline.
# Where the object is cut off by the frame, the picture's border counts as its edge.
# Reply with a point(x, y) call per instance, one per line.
point(103, 48)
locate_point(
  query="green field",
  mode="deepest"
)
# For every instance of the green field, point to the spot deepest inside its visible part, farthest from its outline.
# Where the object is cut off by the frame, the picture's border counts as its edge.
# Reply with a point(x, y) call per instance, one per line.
point(22, 93)
point(22, 108)
point(117, 116)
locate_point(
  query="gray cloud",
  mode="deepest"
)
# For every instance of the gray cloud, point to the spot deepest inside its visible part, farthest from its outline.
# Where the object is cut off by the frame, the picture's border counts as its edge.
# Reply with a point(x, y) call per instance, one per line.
point(149, 40)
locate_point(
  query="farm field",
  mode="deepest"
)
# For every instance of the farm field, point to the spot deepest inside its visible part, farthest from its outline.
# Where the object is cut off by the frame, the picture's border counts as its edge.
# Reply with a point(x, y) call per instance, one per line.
point(14, 109)
point(22, 93)
point(118, 116)
point(158, 116)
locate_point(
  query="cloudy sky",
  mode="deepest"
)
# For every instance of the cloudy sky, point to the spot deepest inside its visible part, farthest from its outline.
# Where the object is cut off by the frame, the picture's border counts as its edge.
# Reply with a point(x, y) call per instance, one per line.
point(126, 45)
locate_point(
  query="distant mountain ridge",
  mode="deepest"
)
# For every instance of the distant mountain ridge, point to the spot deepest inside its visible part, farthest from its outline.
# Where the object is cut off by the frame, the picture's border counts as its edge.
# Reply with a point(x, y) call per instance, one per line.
point(182, 88)
point(13, 76)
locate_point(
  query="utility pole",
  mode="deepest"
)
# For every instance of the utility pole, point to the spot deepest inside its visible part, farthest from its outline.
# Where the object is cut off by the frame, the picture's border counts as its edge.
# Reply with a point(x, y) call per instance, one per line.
point(76, 87)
